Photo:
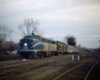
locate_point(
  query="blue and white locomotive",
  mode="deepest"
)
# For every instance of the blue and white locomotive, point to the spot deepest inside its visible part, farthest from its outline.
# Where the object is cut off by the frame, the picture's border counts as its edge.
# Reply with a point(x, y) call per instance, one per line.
point(36, 46)
point(33, 46)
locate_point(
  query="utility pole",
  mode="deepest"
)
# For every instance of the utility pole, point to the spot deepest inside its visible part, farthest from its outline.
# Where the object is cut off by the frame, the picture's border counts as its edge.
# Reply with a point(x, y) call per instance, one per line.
point(99, 46)
point(79, 48)
point(99, 43)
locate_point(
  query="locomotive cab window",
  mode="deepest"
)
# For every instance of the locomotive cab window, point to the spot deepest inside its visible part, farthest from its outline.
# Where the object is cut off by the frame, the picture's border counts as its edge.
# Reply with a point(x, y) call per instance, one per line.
point(50, 41)
point(43, 40)
point(53, 42)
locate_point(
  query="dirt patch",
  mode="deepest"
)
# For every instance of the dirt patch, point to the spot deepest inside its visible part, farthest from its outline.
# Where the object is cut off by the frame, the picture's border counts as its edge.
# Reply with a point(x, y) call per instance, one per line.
point(55, 66)
point(9, 57)
point(53, 69)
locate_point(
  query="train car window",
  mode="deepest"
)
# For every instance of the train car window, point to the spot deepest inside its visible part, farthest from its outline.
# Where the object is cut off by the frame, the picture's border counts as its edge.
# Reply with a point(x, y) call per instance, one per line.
point(49, 41)
point(46, 40)
point(42, 40)
point(53, 42)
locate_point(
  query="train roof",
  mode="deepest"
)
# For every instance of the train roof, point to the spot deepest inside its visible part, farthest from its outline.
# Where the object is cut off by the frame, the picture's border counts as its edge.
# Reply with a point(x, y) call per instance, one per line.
point(61, 42)
point(31, 36)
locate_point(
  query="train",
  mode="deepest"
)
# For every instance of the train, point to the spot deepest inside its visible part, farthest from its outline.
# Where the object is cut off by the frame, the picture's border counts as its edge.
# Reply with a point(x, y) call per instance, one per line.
point(34, 46)
point(73, 49)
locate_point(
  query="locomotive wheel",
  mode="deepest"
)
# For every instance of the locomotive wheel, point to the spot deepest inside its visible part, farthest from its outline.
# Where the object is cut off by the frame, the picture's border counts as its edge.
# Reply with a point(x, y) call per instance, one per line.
point(37, 56)
point(40, 56)
point(45, 54)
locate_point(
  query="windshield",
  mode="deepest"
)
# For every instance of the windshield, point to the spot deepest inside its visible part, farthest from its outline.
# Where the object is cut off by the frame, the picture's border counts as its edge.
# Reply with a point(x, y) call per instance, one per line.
point(35, 40)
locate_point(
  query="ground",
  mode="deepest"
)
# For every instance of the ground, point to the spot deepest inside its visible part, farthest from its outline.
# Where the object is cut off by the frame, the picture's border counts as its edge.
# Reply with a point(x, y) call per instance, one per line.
point(55, 66)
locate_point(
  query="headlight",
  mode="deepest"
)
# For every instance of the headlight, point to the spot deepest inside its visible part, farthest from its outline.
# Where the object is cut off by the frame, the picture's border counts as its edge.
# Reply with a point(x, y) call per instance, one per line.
point(25, 44)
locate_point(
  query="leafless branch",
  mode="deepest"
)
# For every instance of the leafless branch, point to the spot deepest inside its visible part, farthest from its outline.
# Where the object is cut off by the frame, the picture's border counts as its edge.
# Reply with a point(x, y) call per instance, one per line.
point(29, 26)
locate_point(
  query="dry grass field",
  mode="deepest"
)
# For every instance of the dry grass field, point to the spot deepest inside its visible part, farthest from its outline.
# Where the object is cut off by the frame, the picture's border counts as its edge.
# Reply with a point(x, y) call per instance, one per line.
point(55, 66)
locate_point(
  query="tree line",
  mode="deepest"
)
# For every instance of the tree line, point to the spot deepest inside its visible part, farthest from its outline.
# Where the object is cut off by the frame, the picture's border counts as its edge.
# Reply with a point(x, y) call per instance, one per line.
point(5, 33)
point(28, 27)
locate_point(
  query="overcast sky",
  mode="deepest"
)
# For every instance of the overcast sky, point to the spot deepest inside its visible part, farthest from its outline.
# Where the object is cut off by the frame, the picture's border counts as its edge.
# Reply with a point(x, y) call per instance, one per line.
point(58, 18)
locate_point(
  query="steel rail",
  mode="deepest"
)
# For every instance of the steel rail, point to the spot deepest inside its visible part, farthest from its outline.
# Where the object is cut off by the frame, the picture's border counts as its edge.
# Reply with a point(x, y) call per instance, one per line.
point(29, 65)
point(34, 66)
point(26, 62)
point(63, 74)
point(22, 63)
point(91, 70)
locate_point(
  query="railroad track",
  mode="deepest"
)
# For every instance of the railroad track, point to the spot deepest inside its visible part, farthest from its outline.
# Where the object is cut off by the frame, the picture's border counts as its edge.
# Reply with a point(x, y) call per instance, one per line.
point(91, 75)
point(6, 63)
point(78, 72)
point(14, 62)
point(17, 69)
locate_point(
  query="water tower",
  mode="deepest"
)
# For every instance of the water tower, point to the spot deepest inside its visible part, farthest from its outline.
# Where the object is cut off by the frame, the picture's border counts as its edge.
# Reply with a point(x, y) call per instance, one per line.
point(71, 41)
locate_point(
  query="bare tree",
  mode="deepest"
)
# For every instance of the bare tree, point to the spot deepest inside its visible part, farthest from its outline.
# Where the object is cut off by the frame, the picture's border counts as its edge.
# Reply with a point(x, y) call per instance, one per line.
point(5, 33)
point(10, 46)
point(28, 27)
